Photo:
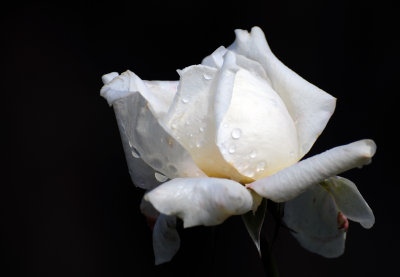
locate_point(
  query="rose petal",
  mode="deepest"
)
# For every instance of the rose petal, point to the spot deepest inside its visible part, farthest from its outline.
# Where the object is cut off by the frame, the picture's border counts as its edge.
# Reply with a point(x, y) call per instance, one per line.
point(256, 134)
point(158, 93)
point(107, 78)
point(191, 120)
point(142, 133)
point(148, 210)
point(309, 106)
point(216, 59)
point(252, 66)
point(201, 201)
point(165, 92)
point(292, 181)
point(312, 216)
point(350, 201)
point(142, 175)
point(166, 241)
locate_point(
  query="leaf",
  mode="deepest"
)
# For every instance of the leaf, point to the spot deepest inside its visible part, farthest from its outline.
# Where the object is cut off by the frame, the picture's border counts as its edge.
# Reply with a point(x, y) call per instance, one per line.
point(254, 221)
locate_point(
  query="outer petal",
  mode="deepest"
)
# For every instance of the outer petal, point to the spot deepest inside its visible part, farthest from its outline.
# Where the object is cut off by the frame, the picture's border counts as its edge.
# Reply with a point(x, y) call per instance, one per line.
point(148, 210)
point(292, 181)
point(312, 217)
point(143, 134)
point(166, 241)
point(350, 201)
point(256, 134)
point(192, 122)
point(309, 106)
point(142, 175)
point(158, 93)
point(201, 201)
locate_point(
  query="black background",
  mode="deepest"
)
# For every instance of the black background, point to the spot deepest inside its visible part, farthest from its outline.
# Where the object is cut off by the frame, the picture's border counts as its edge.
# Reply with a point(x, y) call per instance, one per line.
point(68, 207)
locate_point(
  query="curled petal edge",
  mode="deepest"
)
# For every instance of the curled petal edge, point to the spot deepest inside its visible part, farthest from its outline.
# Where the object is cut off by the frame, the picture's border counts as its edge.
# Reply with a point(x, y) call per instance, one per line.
point(201, 201)
point(349, 200)
point(293, 180)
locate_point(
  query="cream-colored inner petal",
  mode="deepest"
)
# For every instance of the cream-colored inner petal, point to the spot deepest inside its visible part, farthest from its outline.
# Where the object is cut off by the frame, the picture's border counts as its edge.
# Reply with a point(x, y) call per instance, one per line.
point(257, 135)
point(191, 121)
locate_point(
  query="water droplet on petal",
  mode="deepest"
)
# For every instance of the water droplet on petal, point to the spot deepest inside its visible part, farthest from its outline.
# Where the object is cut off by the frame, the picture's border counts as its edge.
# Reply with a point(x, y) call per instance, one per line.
point(253, 154)
point(207, 77)
point(232, 149)
point(236, 133)
point(135, 153)
point(201, 129)
point(156, 163)
point(199, 144)
point(260, 166)
point(173, 126)
point(160, 177)
point(185, 100)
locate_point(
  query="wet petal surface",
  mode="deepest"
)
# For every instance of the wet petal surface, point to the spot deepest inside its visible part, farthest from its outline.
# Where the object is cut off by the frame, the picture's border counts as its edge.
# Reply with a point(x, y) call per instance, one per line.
point(201, 201)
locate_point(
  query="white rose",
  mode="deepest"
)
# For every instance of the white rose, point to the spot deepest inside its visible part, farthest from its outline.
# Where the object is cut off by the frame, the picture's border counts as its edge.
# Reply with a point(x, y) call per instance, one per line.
point(231, 130)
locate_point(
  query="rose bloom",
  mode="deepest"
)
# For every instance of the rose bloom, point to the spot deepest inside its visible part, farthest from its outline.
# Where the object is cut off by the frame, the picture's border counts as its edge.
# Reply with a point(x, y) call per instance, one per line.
point(229, 133)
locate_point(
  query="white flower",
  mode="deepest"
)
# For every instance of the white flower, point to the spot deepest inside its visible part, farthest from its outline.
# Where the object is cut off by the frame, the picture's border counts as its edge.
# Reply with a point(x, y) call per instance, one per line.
point(239, 118)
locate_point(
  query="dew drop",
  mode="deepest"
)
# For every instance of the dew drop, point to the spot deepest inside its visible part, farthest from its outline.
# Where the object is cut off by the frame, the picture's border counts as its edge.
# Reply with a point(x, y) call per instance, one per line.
point(201, 129)
point(173, 126)
point(236, 133)
point(232, 149)
point(156, 163)
point(185, 100)
point(260, 166)
point(199, 144)
point(135, 153)
point(207, 77)
point(253, 154)
point(160, 177)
